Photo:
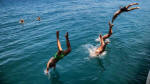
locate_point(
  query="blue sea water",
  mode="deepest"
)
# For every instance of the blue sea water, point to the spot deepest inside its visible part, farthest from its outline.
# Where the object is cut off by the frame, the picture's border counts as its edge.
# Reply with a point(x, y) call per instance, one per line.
point(26, 49)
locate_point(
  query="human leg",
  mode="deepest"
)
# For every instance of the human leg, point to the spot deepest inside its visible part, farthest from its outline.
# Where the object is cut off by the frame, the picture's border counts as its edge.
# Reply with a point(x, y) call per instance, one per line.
point(110, 31)
point(133, 8)
point(68, 44)
point(131, 5)
point(58, 42)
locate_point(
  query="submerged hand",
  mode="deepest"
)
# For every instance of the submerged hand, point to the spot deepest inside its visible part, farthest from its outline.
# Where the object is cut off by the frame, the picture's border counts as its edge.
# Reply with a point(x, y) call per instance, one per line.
point(46, 72)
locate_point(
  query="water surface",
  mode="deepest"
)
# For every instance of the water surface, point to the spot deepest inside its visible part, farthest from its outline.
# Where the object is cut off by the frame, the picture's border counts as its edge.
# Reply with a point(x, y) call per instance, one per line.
point(25, 49)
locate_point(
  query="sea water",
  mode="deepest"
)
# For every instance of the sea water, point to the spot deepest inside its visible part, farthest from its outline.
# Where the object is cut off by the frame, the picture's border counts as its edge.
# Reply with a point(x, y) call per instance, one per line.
point(25, 49)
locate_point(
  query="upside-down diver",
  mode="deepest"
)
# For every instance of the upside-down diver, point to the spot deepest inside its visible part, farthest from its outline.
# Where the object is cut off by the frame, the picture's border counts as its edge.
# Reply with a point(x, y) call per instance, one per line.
point(60, 53)
point(124, 9)
point(102, 47)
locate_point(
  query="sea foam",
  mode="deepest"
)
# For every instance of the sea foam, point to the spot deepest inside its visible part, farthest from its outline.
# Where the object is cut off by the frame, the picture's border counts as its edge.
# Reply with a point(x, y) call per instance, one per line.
point(91, 49)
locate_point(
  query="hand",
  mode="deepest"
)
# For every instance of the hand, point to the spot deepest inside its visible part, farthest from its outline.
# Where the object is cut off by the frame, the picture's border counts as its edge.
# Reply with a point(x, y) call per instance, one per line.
point(46, 72)
point(100, 36)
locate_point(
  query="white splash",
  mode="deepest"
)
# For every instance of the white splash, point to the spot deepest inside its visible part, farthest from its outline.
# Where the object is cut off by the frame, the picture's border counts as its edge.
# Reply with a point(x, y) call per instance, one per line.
point(92, 50)
point(102, 54)
point(47, 73)
point(98, 40)
point(107, 40)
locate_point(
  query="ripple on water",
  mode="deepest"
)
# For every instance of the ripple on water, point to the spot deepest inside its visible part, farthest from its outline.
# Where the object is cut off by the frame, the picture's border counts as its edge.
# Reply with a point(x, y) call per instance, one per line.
point(25, 49)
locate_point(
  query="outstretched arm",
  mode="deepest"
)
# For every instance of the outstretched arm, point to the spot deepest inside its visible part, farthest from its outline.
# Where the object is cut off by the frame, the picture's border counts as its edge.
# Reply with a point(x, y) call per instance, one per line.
point(133, 8)
point(58, 42)
point(131, 5)
point(110, 31)
point(47, 68)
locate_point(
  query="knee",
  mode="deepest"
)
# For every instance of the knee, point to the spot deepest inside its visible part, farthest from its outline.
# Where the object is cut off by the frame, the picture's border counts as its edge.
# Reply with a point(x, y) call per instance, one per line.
point(110, 33)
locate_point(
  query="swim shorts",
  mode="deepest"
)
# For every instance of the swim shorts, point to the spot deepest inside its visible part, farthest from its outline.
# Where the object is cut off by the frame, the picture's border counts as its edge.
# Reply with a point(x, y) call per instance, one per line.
point(58, 57)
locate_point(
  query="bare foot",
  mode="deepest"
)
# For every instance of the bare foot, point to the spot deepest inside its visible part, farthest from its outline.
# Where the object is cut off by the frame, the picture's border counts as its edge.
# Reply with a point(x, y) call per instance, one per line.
point(66, 35)
point(57, 34)
point(136, 4)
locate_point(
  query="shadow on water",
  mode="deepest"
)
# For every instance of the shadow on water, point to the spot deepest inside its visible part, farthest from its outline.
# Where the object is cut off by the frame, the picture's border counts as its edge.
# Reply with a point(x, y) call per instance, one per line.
point(55, 78)
point(144, 67)
point(100, 62)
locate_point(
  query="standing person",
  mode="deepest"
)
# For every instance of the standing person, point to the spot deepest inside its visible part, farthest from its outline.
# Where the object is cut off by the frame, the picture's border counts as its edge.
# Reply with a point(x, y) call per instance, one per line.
point(102, 47)
point(60, 53)
point(124, 9)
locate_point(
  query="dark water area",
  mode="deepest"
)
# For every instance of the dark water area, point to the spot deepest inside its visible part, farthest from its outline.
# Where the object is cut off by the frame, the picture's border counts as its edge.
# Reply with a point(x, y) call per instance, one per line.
point(26, 49)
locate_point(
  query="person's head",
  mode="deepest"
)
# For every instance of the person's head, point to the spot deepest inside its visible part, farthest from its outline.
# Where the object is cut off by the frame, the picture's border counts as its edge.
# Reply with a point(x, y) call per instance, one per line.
point(38, 18)
point(21, 21)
